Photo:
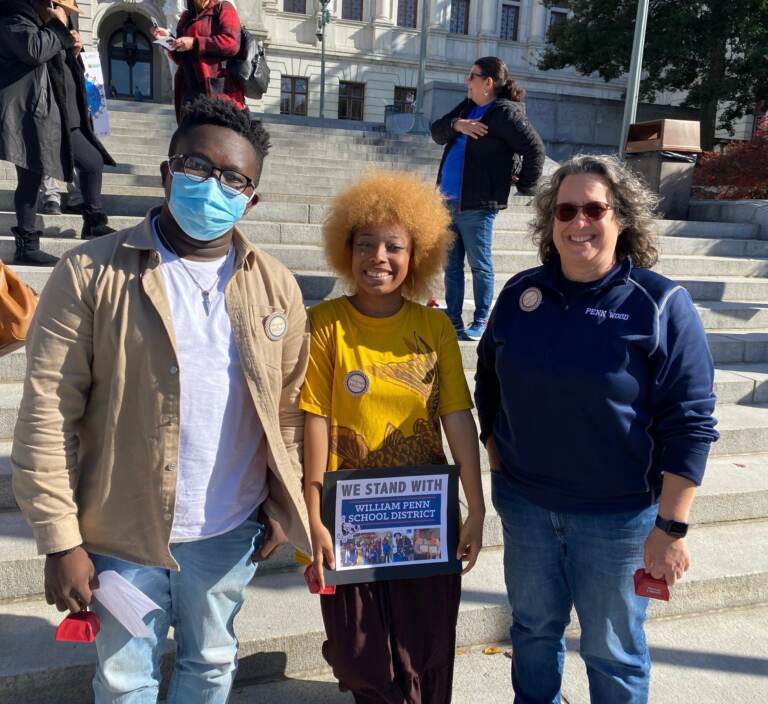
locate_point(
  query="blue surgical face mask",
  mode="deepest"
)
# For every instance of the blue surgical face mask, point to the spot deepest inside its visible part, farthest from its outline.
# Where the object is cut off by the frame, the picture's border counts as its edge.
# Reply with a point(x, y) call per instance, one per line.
point(202, 209)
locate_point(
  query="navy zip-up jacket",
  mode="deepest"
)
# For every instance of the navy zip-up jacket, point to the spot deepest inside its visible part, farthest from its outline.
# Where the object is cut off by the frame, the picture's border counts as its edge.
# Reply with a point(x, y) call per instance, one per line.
point(591, 398)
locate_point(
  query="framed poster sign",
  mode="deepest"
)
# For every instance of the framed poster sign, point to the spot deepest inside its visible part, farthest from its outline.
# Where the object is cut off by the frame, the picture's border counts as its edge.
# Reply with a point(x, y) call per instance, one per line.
point(94, 91)
point(392, 523)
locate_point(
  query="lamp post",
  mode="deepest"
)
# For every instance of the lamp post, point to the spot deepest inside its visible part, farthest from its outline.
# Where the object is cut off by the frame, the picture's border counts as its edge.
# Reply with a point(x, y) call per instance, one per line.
point(635, 70)
point(420, 125)
point(322, 21)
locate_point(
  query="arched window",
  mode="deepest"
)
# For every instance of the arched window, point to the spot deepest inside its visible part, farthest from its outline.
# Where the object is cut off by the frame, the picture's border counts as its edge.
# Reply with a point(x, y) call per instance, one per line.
point(129, 55)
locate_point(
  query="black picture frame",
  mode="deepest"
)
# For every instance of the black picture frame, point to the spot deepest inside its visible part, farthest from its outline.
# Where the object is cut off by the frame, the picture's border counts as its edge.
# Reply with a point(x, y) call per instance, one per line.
point(403, 570)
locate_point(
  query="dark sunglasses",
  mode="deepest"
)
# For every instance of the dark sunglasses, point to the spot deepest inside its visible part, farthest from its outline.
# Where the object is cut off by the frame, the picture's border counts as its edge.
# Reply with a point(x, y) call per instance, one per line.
point(472, 76)
point(595, 210)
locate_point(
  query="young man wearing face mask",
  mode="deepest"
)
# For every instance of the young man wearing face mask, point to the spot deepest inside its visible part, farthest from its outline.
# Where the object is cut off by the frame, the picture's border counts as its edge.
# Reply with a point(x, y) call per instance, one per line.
point(159, 434)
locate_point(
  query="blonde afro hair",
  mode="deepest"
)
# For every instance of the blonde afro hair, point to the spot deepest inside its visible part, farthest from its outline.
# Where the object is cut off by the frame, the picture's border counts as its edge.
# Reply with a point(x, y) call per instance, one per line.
point(391, 198)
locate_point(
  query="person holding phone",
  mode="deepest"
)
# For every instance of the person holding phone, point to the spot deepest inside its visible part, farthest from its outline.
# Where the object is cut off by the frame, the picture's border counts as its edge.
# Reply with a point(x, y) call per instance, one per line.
point(207, 34)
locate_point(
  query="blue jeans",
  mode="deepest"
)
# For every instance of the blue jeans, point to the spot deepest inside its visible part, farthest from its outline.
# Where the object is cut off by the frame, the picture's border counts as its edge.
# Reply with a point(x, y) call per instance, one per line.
point(555, 560)
point(200, 602)
point(474, 234)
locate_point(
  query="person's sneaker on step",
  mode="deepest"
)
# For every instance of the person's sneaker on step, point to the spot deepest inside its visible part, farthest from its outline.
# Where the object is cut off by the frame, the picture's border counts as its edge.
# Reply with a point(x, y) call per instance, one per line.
point(475, 331)
point(50, 207)
point(95, 225)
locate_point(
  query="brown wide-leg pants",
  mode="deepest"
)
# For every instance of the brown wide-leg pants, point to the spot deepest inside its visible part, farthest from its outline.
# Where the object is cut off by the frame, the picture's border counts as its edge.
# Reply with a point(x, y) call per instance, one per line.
point(393, 642)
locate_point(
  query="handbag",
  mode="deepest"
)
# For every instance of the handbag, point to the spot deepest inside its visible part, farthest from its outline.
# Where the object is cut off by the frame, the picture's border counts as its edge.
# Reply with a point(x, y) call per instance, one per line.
point(250, 65)
point(17, 306)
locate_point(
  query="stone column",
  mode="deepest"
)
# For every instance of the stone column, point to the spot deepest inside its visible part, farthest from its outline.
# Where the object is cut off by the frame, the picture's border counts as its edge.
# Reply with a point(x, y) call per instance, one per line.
point(488, 12)
point(538, 22)
point(383, 12)
point(438, 14)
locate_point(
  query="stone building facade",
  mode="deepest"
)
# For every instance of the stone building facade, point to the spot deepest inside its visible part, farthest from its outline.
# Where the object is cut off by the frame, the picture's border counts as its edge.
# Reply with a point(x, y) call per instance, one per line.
point(372, 49)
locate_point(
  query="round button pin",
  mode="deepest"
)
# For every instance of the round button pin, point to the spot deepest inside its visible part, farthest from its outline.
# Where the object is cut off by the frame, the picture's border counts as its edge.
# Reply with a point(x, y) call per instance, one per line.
point(275, 326)
point(356, 382)
point(530, 299)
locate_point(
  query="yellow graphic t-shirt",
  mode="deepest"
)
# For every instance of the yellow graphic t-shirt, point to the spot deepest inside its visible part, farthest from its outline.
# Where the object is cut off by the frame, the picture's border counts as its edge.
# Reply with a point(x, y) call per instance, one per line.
point(383, 383)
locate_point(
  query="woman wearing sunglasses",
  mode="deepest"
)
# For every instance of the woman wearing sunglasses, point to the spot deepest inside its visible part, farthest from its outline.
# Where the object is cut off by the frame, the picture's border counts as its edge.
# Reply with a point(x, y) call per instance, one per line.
point(594, 394)
point(485, 137)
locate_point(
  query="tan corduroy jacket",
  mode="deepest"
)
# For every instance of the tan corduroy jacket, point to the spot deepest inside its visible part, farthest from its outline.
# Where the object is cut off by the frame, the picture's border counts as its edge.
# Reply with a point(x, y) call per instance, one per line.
point(95, 451)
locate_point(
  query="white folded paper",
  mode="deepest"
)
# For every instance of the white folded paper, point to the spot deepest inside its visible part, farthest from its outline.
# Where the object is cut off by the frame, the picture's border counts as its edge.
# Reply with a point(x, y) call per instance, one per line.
point(125, 602)
point(165, 42)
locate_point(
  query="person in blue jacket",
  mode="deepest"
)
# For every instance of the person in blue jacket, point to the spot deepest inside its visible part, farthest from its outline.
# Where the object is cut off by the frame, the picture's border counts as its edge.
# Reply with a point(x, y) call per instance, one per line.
point(594, 395)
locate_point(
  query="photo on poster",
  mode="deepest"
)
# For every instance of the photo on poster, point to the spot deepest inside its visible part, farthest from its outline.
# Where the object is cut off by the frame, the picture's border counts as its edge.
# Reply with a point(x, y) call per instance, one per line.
point(95, 93)
point(392, 523)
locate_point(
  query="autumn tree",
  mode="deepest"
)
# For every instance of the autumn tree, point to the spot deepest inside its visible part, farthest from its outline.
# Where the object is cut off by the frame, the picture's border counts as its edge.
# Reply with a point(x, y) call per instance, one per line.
point(714, 52)
point(739, 171)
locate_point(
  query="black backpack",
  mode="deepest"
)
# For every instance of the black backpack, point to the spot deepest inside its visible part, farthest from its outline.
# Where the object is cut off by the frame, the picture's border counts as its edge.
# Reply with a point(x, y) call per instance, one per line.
point(250, 65)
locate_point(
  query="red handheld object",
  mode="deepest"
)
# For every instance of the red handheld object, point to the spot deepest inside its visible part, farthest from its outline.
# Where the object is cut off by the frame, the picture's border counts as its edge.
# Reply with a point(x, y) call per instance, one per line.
point(646, 585)
point(310, 577)
point(82, 627)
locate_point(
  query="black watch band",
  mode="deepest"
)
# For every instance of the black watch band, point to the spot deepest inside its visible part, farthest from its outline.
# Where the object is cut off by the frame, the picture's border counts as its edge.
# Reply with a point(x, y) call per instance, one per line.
point(674, 529)
point(62, 553)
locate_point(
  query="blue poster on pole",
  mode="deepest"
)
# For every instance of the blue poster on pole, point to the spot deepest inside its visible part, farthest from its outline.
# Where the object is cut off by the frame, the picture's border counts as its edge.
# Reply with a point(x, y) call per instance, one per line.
point(95, 94)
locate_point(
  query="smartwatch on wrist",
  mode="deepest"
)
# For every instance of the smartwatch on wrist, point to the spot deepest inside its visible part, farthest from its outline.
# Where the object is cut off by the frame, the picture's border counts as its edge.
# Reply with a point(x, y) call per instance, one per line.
point(674, 529)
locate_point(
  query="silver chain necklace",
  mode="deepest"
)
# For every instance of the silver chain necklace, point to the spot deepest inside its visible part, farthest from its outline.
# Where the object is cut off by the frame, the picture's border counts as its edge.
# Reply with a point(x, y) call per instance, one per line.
point(204, 292)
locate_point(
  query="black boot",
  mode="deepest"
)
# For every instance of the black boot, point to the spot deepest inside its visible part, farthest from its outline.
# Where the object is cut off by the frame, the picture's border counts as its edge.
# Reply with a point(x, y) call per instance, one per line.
point(95, 225)
point(28, 249)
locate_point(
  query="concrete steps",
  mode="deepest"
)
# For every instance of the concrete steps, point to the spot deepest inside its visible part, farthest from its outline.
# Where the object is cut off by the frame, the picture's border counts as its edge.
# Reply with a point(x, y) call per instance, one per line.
point(735, 489)
point(742, 384)
point(747, 289)
point(509, 234)
point(715, 315)
point(149, 176)
point(729, 569)
point(727, 347)
point(21, 568)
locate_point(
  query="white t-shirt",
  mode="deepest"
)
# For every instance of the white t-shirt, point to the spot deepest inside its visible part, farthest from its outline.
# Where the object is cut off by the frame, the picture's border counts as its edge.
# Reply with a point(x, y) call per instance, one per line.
point(222, 452)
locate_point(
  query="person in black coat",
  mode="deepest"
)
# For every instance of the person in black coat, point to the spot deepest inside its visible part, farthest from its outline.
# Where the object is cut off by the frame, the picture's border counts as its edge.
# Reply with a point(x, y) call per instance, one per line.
point(45, 126)
point(489, 144)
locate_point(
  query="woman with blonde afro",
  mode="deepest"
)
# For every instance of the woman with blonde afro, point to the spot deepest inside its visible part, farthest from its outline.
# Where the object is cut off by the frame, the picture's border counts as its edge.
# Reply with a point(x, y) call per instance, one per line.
point(384, 375)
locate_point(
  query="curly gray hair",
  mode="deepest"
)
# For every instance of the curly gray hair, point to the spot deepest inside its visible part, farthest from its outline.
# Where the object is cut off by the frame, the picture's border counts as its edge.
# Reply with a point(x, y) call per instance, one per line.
point(633, 204)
